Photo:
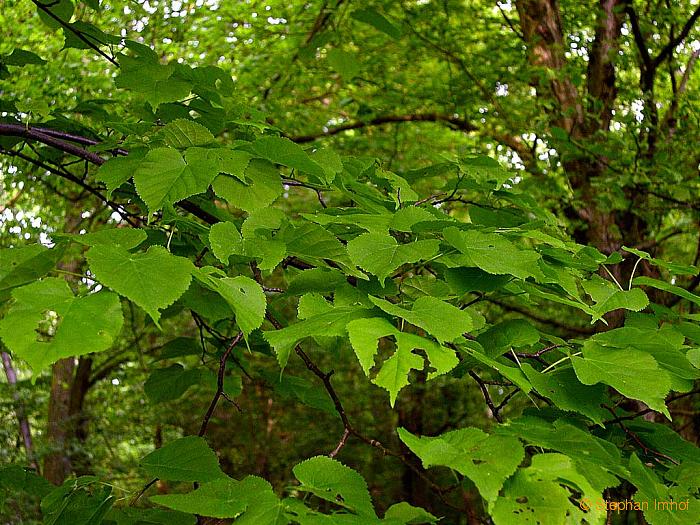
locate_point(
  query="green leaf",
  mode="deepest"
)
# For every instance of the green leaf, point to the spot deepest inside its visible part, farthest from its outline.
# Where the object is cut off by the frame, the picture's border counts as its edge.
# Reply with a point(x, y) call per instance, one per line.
point(513, 374)
point(332, 481)
point(330, 161)
point(21, 57)
point(440, 319)
point(126, 238)
point(280, 150)
point(15, 478)
point(537, 492)
point(662, 505)
point(405, 218)
point(393, 375)
point(46, 322)
point(666, 287)
point(247, 299)
point(484, 169)
point(513, 333)
point(156, 83)
point(403, 513)
point(245, 296)
point(225, 240)
point(92, 36)
point(486, 460)
point(185, 459)
point(609, 297)
point(562, 387)
point(183, 133)
point(678, 269)
point(25, 264)
point(50, 10)
point(344, 63)
point(77, 502)
point(579, 444)
point(315, 280)
point(168, 384)
point(665, 345)
point(153, 280)
point(228, 498)
point(263, 186)
point(376, 20)
point(164, 177)
point(117, 170)
point(492, 252)
point(232, 162)
point(313, 244)
point(381, 255)
point(306, 392)
point(645, 381)
point(330, 324)
point(222, 498)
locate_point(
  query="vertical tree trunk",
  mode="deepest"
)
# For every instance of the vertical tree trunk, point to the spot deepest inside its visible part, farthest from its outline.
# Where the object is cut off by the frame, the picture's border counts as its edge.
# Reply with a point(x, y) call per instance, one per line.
point(60, 429)
point(57, 465)
point(24, 428)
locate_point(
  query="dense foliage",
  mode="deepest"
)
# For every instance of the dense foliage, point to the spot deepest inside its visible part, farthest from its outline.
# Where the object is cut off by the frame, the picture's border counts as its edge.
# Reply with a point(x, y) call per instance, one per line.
point(349, 263)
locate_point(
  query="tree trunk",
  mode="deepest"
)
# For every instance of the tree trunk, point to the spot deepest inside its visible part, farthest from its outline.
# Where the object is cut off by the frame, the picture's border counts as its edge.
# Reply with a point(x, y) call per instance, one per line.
point(24, 428)
point(57, 464)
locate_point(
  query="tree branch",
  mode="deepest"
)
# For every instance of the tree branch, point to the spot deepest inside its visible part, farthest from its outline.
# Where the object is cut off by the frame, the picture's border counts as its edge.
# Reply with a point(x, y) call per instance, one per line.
point(219, 384)
point(601, 69)
point(26, 132)
point(46, 9)
point(454, 122)
point(29, 133)
point(668, 49)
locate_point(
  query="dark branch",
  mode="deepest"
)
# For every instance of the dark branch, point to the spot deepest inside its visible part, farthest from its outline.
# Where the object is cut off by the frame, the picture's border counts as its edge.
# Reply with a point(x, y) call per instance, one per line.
point(79, 34)
point(26, 132)
point(668, 49)
point(487, 396)
point(219, 384)
point(454, 122)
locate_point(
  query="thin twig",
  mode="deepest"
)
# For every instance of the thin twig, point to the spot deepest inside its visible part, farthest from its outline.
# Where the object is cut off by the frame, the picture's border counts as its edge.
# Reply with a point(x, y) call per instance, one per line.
point(487, 396)
point(219, 385)
point(648, 451)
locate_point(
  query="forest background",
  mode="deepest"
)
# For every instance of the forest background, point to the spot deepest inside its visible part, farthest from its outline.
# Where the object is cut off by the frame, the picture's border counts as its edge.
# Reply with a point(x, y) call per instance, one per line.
point(293, 228)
